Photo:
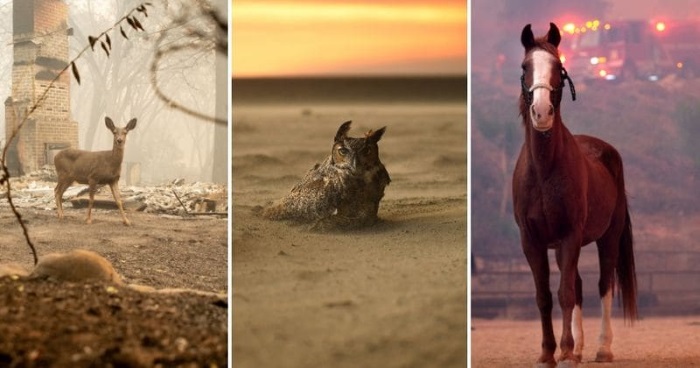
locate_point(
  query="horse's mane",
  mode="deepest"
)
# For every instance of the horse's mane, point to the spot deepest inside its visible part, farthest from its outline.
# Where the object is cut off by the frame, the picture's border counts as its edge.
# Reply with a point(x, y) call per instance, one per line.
point(540, 44)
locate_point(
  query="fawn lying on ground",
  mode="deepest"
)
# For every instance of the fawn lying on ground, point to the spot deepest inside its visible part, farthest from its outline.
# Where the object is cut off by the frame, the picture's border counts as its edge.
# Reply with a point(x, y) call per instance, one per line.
point(93, 168)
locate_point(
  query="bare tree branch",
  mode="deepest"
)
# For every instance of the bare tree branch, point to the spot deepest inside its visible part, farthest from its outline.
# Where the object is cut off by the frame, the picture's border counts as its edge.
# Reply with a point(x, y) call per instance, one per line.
point(211, 32)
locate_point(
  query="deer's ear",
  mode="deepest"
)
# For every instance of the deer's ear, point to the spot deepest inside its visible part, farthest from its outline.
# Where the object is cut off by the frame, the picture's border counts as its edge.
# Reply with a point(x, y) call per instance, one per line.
point(109, 123)
point(131, 124)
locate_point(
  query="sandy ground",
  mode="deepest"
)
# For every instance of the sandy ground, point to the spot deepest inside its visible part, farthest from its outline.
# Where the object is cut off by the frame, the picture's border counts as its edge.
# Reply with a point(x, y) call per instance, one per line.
point(393, 295)
point(652, 342)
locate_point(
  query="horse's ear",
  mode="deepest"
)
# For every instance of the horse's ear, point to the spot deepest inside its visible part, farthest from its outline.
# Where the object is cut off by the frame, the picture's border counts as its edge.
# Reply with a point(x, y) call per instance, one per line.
point(527, 38)
point(553, 36)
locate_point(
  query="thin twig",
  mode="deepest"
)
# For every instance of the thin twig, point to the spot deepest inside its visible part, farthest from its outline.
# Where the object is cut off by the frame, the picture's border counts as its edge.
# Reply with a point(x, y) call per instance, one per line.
point(221, 47)
point(169, 101)
point(6, 179)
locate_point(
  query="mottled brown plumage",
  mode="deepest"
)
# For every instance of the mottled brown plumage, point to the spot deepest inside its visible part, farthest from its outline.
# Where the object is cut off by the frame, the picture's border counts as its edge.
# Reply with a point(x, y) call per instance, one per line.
point(343, 191)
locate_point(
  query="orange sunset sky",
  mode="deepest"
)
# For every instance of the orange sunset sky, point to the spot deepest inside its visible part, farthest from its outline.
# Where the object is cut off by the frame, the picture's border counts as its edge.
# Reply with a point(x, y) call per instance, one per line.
point(315, 37)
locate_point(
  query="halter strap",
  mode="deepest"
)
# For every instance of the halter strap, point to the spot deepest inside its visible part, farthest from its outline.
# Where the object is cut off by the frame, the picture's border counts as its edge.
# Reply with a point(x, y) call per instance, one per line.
point(528, 92)
point(540, 85)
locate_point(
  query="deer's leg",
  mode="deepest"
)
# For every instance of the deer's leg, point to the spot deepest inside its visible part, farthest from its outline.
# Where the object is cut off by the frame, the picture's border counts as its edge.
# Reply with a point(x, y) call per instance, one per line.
point(92, 188)
point(58, 192)
point(118, 199)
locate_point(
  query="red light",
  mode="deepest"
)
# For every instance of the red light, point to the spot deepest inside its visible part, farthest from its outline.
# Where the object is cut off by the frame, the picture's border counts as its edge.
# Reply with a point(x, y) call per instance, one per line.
point(660, 26)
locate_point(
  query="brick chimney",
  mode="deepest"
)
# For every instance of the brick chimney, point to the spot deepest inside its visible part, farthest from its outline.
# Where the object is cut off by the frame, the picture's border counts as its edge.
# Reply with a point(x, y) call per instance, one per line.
point(40, 45)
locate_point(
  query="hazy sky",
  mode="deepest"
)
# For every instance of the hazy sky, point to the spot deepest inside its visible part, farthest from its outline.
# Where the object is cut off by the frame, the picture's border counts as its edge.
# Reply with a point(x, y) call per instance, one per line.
point(312, 37)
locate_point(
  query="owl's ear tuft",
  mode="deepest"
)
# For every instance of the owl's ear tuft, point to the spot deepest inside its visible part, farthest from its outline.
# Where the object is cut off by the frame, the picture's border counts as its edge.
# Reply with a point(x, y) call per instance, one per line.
point(375, 136)
point(343, 131)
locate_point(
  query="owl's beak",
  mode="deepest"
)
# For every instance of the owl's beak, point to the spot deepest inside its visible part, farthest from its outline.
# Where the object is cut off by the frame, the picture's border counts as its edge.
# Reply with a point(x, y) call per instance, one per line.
point(353, 165)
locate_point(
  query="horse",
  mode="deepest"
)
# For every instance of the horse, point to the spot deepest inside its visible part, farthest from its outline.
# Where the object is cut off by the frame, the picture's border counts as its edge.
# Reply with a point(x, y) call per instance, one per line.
point(568, 191)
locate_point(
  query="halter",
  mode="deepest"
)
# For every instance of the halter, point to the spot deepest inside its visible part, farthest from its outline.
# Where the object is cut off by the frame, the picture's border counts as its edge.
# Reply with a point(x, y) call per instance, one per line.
point(528, 92)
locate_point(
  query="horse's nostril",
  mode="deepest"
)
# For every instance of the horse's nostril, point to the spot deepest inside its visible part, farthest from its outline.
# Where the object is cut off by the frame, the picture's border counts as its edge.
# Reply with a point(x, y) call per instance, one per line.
point(551, 110)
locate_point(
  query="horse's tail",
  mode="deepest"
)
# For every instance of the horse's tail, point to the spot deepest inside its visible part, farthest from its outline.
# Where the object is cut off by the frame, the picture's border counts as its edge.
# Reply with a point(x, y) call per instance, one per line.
point(626, 275)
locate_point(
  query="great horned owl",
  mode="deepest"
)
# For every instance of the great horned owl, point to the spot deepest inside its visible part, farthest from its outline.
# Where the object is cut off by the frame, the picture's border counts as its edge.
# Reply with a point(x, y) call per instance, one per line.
point(343, 191)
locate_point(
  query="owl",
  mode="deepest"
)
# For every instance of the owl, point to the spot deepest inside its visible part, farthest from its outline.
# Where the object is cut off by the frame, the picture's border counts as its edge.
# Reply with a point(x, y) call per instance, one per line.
point(341, 192)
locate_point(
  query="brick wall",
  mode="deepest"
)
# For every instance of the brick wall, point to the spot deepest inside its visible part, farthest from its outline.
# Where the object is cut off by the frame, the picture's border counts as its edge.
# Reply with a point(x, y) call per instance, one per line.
point(40, 52)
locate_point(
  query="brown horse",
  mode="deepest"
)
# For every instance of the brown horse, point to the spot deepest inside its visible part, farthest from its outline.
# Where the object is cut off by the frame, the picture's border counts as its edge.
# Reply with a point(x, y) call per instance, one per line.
point(568, 191)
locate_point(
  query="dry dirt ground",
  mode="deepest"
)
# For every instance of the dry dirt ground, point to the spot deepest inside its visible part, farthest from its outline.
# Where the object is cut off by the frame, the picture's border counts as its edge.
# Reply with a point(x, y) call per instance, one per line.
point(47, 323)
point(393, 295)
point(652, 342)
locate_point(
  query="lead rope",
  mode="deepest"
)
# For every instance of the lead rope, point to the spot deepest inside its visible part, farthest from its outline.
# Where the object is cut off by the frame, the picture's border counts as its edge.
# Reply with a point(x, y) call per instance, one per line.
point(564, 78)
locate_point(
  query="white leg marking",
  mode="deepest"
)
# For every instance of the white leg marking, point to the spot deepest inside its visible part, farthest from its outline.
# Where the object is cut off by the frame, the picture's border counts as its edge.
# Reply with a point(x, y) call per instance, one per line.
point(606, 334)
point(577, 330)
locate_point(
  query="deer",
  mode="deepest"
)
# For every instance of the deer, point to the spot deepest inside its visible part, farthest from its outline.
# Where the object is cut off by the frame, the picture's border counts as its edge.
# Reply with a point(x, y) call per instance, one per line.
point(93, 168)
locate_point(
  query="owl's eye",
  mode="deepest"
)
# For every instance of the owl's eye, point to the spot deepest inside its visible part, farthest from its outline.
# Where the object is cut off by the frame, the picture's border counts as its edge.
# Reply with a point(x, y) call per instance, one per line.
point(343, 151)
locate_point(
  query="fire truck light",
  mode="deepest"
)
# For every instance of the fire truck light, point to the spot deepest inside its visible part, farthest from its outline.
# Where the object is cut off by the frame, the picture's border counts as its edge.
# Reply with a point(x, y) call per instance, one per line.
point(679, 65)
point(607, 26)
point(603, 73)
point(569, 28)
point(660, 26)
point(598, 60)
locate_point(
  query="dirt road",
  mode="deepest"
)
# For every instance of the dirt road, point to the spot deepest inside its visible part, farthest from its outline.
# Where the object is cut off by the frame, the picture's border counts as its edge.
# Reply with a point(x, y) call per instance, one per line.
point(652, 342)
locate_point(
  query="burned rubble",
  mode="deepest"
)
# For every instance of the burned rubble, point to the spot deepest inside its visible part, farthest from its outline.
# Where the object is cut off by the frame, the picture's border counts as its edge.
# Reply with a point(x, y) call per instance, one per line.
point(176, 198)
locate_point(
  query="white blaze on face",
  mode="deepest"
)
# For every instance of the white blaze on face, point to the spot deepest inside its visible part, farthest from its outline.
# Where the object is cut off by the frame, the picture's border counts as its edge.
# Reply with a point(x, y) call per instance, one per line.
point(542, 110)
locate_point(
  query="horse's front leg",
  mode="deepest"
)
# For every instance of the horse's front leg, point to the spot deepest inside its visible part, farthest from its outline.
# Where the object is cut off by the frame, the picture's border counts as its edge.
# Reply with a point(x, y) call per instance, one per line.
point(577, 319)
point(567, 255)
point(539, 265)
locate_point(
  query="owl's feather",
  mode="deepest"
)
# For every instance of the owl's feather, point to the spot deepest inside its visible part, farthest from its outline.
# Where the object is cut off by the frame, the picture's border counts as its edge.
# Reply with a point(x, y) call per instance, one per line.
point(343, 190)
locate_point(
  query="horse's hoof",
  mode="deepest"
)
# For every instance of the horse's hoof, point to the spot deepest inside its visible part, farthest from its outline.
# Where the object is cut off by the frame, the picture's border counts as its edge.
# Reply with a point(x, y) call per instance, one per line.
point(604, 357)
point(548, 364)
point(569, 363)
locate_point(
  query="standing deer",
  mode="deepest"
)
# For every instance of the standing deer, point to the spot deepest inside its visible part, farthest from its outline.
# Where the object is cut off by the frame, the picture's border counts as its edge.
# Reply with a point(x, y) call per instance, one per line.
point(93, 168)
